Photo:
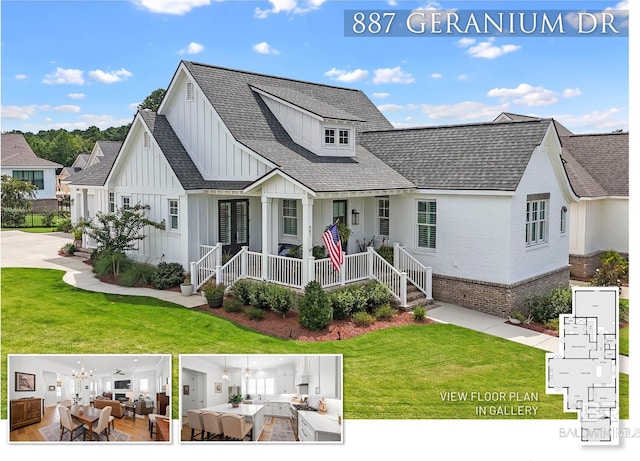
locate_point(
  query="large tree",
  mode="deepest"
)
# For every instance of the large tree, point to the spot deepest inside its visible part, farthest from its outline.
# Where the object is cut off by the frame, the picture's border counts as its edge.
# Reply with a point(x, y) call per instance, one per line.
point(152, 102)
point(17, 194)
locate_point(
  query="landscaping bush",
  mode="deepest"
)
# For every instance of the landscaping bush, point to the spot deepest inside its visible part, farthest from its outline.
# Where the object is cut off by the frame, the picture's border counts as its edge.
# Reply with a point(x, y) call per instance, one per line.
point(241, 289)
point(233, 306)
point(107, 263)
point(315, 308)
point(387, 253)
point(47, 218)
point(64, 225)
point(13, 217)
point(255, 313)
point(623, 315)
point(377, 294)
point(68, 248)
point(363, 319)
point(136, 274)
point(384, 312)
point(257, 295)
point(549, 305)
point(419, 313)
point(168, 275)
point(612, 272)
point(553, 324)
point(279, 298)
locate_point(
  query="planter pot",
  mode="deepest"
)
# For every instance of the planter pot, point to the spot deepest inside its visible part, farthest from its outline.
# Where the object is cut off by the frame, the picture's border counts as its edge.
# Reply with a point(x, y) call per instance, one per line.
point(514, 321)
point(187, 290)
point(235, 405)
point(215, 302)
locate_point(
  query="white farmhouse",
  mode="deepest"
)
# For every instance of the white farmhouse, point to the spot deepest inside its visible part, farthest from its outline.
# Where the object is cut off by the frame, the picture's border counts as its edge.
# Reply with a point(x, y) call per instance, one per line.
point(245, 165)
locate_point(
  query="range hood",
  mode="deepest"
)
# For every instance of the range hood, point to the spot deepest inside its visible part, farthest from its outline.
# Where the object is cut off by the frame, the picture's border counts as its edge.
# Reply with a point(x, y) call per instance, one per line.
point(302, 380)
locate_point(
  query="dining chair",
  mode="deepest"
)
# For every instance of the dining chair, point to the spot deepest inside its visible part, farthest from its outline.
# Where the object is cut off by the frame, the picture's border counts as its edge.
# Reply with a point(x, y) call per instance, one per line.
point(154, 416)
point(212, 425)
point(68, 423)
point(235, 427)
point(195, 423)
point(102, 425)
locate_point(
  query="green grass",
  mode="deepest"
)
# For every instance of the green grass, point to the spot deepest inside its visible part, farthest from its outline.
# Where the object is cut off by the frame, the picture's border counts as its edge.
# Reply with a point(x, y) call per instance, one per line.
point(32, 230)
point(397, 373)
point(624, 341)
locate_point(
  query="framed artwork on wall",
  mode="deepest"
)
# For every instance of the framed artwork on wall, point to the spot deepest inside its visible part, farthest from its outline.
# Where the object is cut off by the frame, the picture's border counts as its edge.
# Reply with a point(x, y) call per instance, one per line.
point(25, 382)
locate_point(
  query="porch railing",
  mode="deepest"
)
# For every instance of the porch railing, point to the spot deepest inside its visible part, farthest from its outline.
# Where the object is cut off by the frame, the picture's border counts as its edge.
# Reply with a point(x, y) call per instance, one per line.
point(417, 273)
point(205, 268)
point(285, 270)
point(389, 275)
point(355, 268)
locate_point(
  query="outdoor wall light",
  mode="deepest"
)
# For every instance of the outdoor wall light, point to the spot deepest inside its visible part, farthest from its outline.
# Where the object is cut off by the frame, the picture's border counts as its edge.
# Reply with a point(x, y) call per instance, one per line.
point(355, 217)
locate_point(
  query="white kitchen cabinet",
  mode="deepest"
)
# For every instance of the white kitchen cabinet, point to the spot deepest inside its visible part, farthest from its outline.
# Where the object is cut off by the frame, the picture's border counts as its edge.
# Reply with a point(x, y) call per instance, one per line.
point(313, 427)
point(324, 377)
point(268, 408)
point(285, 380)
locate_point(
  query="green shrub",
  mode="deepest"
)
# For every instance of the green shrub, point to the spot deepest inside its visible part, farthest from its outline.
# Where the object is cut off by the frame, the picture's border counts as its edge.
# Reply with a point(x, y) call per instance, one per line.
point(315, 308)
point(387, 253)
point(363, 319)
point(384, 312)
point(233, 306)
point(623, 315)
point(549, 305)
point(47, 219)
point(64, 225)
point(213, 290)
point(348, 301)
point(419, 313)
point(613, 270)
point(553, 324)
point(168, 275)
point(110, 263)
point(377, 294)
point(13, 217)
point(279, 298)
point(241, 289)
point(68, 248)
point(136, 274)
point(258, 295)
point(319, 252)
point(255, 313)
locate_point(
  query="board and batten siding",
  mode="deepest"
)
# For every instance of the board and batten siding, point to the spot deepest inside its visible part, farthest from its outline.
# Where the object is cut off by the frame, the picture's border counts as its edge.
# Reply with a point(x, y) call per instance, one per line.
point(599, 225)
point(217, 155)
point(539, 177)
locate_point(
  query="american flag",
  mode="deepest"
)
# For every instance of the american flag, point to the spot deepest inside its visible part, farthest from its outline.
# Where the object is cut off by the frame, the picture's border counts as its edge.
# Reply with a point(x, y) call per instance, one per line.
point(332, 243)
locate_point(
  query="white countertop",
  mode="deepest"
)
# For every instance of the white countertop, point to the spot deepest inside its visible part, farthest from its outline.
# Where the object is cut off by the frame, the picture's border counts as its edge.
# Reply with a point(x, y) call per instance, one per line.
point(243, 409)
point(321, 423)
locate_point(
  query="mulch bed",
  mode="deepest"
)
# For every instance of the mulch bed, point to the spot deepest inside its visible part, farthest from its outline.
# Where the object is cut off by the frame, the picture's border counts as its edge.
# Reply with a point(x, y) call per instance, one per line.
point(288, 327)
point(539, 327)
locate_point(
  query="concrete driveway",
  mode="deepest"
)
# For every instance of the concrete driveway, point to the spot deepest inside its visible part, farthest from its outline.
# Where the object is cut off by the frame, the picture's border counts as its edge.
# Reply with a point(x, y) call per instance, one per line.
point(25, 249)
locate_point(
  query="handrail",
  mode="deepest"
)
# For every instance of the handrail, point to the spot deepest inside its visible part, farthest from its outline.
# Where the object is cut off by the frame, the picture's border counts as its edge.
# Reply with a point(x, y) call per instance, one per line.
point(417, 273)
point(204, 269)
point(390, 276)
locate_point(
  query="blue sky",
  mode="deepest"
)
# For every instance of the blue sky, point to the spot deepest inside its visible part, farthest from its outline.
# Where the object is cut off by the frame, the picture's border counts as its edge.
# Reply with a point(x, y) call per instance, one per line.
point(75, 64)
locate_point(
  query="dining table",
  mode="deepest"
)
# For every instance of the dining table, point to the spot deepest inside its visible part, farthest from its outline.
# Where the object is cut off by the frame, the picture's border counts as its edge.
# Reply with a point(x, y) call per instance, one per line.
point(87, 415)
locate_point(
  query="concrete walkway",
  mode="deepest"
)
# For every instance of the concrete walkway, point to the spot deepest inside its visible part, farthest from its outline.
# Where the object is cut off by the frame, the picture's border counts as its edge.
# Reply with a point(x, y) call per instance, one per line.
point(22, 249)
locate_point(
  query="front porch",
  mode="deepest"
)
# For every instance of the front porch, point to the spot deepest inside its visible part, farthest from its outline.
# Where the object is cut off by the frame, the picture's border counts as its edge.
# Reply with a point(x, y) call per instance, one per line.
point(293, 272)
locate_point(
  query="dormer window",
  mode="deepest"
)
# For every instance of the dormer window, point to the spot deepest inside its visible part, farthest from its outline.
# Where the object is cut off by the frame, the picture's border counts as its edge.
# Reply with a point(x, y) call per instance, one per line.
point(189, 91)
point(337, 137)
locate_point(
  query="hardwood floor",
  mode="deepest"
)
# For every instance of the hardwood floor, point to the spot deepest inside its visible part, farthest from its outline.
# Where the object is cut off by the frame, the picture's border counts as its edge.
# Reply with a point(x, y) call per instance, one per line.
point(138, 429)
point(265, 436)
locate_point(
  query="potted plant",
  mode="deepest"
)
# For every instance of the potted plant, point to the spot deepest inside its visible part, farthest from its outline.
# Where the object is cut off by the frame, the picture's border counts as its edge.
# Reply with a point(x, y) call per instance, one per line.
point(516, 317)
point(214, 292)
point(235, 400)
point(186, 287)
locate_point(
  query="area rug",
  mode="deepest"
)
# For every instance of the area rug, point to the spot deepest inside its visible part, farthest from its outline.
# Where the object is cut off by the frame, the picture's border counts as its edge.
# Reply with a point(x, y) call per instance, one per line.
point(282, 431)
point(51, 433)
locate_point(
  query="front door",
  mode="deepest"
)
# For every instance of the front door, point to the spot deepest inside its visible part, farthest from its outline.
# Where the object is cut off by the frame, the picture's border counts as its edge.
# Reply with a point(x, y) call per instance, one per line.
point(340, 215)
point(233, 225)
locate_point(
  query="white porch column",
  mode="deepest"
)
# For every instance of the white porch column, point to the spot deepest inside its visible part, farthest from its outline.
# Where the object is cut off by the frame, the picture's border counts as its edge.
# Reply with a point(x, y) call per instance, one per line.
point(266, 235)
point(307, 238)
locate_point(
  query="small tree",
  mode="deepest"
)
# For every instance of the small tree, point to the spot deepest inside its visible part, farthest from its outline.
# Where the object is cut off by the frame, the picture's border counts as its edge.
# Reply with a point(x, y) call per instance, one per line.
point(16, 200)
point(119, 232)
point(315, 308)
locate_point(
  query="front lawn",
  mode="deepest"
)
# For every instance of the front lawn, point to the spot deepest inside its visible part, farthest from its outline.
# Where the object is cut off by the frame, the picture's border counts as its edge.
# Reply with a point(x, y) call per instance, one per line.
point(624, 340)
point(409, 372)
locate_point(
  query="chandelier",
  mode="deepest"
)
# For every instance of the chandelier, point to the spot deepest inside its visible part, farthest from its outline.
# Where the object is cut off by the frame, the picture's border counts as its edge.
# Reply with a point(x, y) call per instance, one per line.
point(82, 374)
point(225, 374)
point(247, 371)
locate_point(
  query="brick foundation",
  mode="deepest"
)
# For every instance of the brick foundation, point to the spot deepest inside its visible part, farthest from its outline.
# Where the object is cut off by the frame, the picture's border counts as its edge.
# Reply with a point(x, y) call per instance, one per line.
point(44, 204)
point(584, 266)
point(494, 298)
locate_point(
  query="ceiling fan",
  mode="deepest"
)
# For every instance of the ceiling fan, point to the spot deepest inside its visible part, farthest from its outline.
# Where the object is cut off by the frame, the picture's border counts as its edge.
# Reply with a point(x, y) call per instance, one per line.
point(118, 372)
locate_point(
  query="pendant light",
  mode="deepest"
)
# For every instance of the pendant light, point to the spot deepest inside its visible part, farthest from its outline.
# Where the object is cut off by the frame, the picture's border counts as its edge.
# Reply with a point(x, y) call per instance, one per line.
point(225, 373)
point(247, 371)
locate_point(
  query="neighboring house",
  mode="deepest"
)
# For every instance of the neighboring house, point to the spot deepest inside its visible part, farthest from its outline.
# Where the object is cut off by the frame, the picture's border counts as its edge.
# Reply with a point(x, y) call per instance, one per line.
point(62, 187)
point(257, 163)
point(20, 162)
point(598, 169)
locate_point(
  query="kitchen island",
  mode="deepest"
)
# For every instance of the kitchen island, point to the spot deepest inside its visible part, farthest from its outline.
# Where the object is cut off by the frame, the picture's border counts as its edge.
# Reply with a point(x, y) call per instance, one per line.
point(252, 413)
point(315, 427)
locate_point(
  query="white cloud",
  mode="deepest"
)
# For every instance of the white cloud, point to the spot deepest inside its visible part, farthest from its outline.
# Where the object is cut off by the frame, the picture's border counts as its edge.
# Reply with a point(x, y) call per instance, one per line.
point(76, 95)
point(526, 95)
point(380, 95)
point(571, 92)
point(192, 48)
point(605, 120)
point(392, 75)
point(347, 77)
point(486, 49)
point(177, 7)
point(264, 48)
point(21, 77)
point(61, 76)
point(288, 6)
point(109, 77)
point(389, 107)
point(17, 112)
point(462, 77)
point(64, 108)
point(133, 107)
point(436, 76)
point(467, 110)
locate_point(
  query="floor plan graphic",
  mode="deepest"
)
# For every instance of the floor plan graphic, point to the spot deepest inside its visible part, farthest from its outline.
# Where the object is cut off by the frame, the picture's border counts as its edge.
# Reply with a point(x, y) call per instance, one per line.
point(585, 368)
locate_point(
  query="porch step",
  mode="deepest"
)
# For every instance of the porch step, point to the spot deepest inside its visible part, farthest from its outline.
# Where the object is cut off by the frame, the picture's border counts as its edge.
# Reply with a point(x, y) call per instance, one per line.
point(415, 297)
point(83, 253)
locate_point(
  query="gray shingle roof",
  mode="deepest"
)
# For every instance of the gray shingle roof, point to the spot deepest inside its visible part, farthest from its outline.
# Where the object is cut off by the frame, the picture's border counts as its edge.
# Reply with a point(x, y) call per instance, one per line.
point(597, 164)
point(252, 124)
point(17, 152)
point(96, 174)
point(484, 156)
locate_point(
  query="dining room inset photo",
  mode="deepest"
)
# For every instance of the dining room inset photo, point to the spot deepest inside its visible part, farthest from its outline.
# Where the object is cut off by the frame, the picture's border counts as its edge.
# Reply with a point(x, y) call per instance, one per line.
point(261, 398)
point(89, 398)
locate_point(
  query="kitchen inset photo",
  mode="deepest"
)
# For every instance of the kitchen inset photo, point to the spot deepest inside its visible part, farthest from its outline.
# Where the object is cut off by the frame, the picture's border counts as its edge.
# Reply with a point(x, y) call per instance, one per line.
point(261, 398)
